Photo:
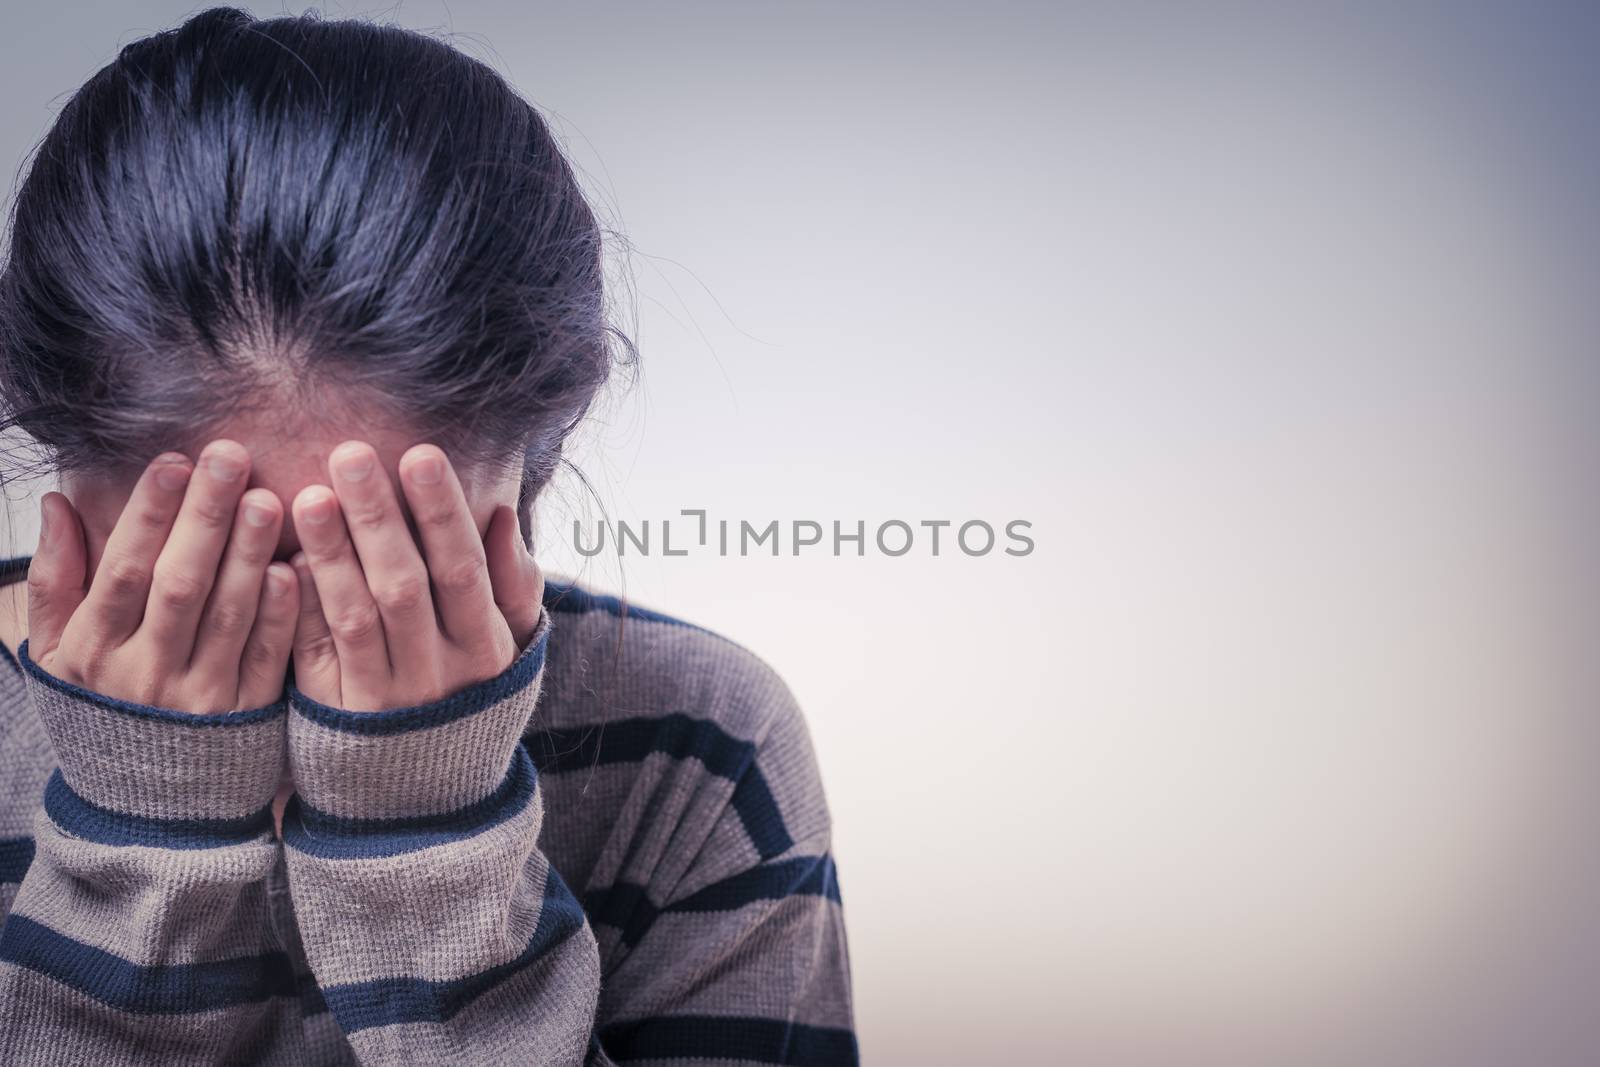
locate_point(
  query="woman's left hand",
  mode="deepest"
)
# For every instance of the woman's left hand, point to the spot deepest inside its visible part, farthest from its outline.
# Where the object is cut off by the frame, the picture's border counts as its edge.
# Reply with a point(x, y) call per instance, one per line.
point(386, 623)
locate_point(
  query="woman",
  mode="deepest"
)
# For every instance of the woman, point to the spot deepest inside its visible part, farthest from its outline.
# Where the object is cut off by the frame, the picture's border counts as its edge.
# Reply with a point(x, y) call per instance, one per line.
point(302, 312)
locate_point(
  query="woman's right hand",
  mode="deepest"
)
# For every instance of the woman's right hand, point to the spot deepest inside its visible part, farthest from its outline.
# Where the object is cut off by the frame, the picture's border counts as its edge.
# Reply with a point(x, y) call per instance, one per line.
point(186, 609)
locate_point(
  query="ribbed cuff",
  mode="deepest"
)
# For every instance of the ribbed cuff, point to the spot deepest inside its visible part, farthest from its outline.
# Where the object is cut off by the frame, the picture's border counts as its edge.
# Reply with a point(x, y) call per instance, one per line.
point(448, 757)
point(121, 760)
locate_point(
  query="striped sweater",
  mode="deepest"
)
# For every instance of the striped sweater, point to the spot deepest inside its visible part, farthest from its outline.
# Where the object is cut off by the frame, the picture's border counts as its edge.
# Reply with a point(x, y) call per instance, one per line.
point(615, 851)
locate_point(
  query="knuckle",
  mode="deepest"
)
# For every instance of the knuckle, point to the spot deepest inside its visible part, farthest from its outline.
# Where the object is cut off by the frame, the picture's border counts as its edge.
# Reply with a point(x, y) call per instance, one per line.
point(436, 517)
point(230, 618)
point(179, 590)
point(149, 518)
point(320, 648)
point(251, 550)
point(259, 659)
point(463, 577)
point(123, 576)
point(211, 512)
point(356, 624)
point(41, 587)
point(368, 515)
point(403, 594)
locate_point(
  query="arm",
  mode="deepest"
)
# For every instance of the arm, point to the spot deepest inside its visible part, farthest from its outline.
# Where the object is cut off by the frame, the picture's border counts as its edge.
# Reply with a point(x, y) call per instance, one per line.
point(440, 933)
point(437, 930)
point(138, 935)
point(731, 945)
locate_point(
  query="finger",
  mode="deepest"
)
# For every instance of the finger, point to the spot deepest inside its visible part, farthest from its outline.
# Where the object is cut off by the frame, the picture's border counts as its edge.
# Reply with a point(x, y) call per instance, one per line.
point(316, 659)
point(119, 591)
point(186, 569)
point(265, 657)
point(230, 613)
point(457, 565)
point(396, 574)
point(352, 615)
point(55, 575)
point(518, 582)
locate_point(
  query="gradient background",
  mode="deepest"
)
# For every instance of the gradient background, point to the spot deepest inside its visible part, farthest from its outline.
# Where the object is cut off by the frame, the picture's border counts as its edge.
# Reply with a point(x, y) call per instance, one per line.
point(1282, 326)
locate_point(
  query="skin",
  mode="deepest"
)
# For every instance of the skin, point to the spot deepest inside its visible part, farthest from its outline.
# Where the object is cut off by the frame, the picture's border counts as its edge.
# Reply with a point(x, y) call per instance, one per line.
point(390, 579)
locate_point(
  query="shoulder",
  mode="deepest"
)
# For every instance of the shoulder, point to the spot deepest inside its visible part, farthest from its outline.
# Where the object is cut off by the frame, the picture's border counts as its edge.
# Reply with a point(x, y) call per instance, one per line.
point(614, 658)
point(625, 682)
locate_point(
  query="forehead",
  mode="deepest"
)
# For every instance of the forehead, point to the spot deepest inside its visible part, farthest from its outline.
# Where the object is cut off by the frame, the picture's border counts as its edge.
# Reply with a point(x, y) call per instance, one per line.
point(289, 442)
point(289, 455)
point(287, 459)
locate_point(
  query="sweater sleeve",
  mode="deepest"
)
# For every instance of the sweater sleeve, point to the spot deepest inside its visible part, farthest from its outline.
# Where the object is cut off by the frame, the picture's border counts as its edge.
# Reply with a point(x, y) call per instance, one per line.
point(437, 930)
point(745, 959)
point(714, 894)
point(139, 933)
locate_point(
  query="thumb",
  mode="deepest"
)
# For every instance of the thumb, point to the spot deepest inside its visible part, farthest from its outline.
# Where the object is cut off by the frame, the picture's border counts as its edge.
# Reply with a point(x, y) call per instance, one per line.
point(55, 575)
point(517, 580)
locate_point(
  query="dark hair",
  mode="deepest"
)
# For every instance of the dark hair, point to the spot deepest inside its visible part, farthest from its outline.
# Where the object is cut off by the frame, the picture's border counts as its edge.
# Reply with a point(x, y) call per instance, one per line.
point(238, 214)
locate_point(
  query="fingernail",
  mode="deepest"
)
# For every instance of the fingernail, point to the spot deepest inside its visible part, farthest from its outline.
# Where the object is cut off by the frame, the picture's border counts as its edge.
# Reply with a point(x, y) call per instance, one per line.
point(174, 475)
point(317, 511)
point(278, 583)
point(256, 515)
point(222, 468)
point(355, 466)
point(44, 525)
point(427, 470)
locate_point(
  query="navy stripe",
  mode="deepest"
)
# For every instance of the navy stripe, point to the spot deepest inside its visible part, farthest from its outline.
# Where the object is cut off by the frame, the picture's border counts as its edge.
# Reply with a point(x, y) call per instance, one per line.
point(85, 819)
point(681, 737)
point(16, 856)
point(627, 907)
point(317, 833)
point(730, 1037)
point(758, 810)
point(148, 711)
point(624, 906)
point(147, 990)
point(479, 696)
point(311, 1002)
point(571, 599)
point(387, 1001)
point(801, 876)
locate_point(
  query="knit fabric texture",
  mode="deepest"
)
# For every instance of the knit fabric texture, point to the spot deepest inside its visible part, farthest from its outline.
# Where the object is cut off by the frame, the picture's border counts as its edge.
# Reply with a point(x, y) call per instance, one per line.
point(615, 851)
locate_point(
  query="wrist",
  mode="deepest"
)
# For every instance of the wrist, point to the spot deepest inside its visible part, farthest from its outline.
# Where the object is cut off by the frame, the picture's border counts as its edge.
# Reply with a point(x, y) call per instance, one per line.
point(122, 762)
point(438, 760)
